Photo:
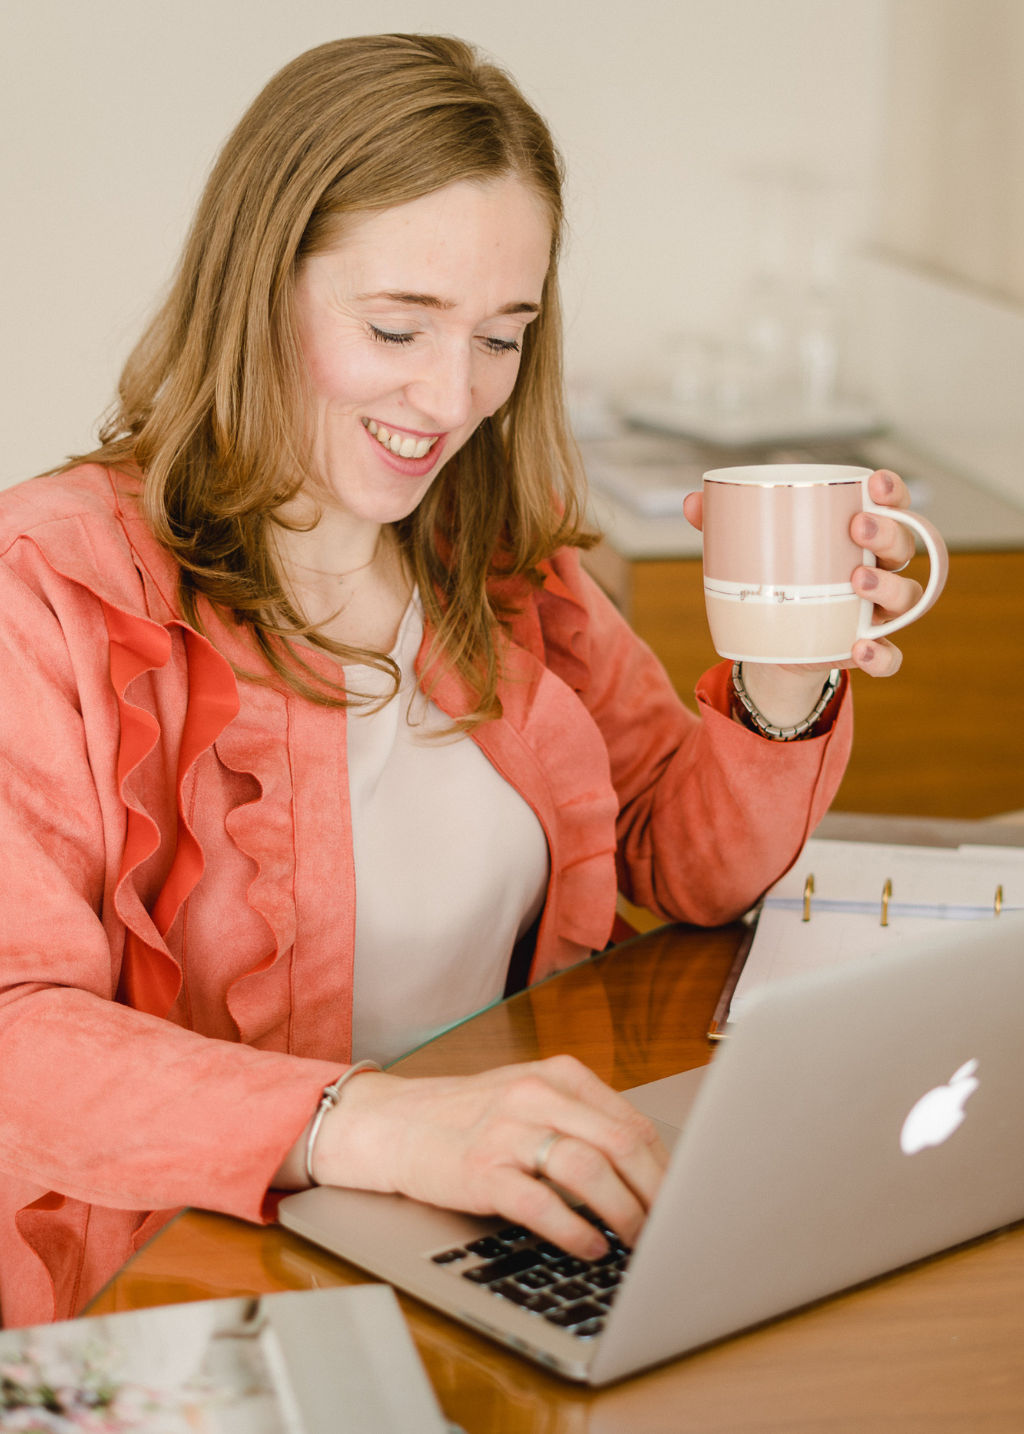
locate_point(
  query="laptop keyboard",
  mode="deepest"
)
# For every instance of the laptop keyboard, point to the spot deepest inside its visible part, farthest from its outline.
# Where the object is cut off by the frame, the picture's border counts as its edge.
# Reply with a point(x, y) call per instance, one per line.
point(517, 1265)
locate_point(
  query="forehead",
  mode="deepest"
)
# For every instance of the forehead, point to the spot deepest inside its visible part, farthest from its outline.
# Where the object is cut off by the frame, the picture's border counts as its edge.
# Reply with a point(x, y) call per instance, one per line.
point(450, 242)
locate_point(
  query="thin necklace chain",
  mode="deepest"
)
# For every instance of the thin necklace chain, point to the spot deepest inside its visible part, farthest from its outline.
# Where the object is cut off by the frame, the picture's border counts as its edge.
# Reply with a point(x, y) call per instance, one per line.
point(362, 567)
point(351, 572)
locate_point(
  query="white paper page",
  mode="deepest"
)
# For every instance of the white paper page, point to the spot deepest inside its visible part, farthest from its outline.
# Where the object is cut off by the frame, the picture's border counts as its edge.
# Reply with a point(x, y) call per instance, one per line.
point(931, 887)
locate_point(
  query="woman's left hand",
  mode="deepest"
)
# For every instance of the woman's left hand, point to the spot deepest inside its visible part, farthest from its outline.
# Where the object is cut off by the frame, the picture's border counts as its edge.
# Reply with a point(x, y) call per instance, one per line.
point(785, 694)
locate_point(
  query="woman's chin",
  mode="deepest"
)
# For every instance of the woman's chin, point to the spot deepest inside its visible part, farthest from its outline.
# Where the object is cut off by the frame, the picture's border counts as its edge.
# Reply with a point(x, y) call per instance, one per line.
point(382, 508)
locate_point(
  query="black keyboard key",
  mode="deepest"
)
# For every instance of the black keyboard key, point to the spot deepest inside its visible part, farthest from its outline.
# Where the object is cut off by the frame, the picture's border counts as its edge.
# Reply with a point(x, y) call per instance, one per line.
point(613, 1259)
point(509, 1290)
point(605, 1279)
point(572, 1290)
point(568, 1266)
point(575, 1314)
point(540, 1304)
point(550, 1251)
point(502, 1268)
point(596, 1220)
point(589, 1329)
point(535, 1279)
point(488, 1246)
point(605, 1297)
point(448, 1257)
point(512, 1233)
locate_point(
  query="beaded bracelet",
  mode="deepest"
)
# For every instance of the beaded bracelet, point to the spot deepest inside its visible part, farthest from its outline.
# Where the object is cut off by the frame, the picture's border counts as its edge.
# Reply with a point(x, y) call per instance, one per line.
point(329, 1099)
point(756, 719)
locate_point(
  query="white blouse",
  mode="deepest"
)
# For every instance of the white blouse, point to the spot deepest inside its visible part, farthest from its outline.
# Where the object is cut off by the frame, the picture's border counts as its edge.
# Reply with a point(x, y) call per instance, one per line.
point(451, 864)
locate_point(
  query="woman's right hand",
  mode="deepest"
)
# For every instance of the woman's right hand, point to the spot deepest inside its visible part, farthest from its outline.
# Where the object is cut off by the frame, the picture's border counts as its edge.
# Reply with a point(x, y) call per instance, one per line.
point(470, 1143)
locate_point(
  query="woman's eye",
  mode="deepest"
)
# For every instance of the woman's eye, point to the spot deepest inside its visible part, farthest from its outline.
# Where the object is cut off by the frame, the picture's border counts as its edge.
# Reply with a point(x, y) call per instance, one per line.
point(383, 336)
point(502, 346)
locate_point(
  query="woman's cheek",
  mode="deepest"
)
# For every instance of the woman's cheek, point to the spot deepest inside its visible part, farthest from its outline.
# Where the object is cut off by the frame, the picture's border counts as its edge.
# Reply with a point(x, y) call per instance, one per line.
point(496, 389)
point(358, 375)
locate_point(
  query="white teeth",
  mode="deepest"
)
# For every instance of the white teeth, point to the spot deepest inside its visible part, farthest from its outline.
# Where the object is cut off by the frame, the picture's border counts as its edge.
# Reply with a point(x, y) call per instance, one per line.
point(407, 447)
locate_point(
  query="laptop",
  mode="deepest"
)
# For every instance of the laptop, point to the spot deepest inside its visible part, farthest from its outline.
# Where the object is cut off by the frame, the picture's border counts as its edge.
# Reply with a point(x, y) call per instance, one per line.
point(859, 1118)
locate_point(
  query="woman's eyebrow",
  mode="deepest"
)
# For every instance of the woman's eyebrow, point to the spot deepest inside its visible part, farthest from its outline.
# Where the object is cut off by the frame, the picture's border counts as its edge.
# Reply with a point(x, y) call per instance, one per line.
point(431, 301)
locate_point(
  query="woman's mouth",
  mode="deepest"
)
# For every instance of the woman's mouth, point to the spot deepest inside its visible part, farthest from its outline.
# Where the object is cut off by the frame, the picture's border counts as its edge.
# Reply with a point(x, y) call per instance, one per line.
point(402, 445)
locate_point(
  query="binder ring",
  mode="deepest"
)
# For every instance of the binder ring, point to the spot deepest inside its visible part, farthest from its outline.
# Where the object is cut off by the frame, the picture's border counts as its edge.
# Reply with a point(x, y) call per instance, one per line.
point(808, 893)
point(886, 894)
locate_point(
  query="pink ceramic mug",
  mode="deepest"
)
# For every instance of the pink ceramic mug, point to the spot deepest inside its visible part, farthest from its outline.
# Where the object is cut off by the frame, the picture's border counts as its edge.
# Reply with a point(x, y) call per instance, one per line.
point(778, 559)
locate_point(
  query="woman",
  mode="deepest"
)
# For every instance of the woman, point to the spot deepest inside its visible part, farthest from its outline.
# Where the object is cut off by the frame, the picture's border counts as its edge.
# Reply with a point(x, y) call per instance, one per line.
point(311, 718)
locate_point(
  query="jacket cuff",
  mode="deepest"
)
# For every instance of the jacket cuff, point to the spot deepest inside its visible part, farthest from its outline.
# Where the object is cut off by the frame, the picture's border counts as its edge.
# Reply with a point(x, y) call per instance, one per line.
point(714, 690)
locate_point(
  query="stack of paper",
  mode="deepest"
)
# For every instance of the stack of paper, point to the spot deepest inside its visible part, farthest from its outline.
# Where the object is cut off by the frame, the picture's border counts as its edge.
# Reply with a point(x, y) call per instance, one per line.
point(924, 889)
point(335, 1361)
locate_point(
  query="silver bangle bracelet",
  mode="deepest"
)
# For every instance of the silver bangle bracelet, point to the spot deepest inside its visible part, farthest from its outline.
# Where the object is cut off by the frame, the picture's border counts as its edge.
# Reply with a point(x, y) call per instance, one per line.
point(329, 1099)
point(783, 734)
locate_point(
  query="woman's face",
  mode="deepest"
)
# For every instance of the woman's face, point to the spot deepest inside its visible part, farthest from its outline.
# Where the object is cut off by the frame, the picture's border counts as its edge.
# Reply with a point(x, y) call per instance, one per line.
point(411, 331)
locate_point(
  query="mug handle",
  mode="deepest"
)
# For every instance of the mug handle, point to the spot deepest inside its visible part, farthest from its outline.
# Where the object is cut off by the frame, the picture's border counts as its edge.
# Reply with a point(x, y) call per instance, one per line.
point(938, 568)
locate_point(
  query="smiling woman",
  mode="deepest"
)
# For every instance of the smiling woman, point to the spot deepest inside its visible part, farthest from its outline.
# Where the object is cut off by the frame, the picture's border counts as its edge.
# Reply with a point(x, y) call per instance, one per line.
point(332, 263)
point(316, 737)
point(411, 330)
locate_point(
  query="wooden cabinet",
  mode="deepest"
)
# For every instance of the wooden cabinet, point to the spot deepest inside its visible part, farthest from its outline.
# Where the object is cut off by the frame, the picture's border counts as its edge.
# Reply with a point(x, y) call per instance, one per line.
point(944, 737)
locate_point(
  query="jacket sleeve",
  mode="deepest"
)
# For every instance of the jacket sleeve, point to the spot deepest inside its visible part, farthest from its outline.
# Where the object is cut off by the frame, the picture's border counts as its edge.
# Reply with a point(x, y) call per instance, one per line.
point(100, 1102)
point(710, 814)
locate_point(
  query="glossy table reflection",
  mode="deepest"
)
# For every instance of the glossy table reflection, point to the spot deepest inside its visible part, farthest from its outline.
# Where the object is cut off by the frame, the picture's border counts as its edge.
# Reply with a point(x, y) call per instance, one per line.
point(939, 1347)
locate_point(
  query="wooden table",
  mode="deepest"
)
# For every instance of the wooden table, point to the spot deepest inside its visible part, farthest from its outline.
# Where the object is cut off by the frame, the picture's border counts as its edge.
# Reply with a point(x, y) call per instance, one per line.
point(936, 1349)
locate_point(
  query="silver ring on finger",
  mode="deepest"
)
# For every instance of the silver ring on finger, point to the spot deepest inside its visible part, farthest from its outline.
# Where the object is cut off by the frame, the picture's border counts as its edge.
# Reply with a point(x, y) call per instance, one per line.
point(905, 565)
point(544, 1149)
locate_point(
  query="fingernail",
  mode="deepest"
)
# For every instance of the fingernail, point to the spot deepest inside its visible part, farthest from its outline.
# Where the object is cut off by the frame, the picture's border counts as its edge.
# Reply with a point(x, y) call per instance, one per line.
point(868, 655)
point(870, 526)
point(887, 482)
point(869, 579)
point(596, 1248)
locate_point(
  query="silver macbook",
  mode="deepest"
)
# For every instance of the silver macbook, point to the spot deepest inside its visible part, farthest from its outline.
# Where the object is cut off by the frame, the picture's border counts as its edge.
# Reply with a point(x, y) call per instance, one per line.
point(858, 1119)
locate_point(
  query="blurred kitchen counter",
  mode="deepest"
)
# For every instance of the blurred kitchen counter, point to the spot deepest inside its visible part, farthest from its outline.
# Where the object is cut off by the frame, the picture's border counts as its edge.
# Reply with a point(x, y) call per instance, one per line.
point(945, 737)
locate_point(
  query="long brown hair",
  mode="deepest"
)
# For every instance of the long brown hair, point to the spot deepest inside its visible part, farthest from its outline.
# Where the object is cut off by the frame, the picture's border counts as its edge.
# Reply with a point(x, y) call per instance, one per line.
point(210, 402)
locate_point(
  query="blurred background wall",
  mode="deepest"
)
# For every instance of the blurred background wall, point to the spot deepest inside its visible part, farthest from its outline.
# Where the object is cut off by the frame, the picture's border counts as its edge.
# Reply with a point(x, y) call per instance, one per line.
point(952, 182)
point(111, 112)
point(788, 218)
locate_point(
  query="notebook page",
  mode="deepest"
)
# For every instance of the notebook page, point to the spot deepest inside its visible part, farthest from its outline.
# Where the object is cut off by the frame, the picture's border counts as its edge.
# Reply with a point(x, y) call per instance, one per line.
point(930, 887)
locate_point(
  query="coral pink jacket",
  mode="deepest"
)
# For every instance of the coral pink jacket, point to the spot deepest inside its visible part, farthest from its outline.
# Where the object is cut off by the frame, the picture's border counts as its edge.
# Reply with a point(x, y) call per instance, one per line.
point(176, 930)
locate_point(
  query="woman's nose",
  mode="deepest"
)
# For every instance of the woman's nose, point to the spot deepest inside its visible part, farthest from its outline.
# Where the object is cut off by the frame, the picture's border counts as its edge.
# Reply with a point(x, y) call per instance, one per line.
point(443, 391)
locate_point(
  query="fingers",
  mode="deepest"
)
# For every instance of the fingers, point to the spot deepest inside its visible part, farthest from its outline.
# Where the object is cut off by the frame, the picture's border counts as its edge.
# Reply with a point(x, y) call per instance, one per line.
point(518, 1197)
point(693, 510)
point(892, 595)
point(891, 542)
point(625, 1146)
point(877, 657)
point(580, 1170)
point(609, 1156)
point(889, 489)
point(585, 1172)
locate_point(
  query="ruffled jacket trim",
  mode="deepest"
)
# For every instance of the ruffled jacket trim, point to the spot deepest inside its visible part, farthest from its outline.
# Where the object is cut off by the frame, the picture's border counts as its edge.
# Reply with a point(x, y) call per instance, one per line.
point(701, 778)
point(544, 670)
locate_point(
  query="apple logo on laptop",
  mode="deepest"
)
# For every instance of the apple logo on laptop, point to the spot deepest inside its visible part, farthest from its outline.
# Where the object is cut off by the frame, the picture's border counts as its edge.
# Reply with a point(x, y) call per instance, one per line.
point(939, 1112)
